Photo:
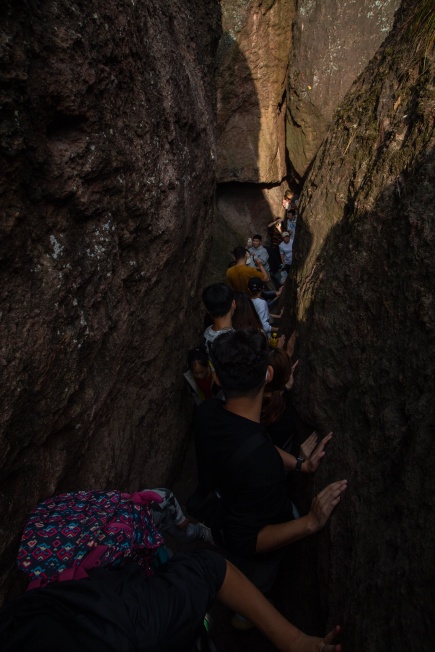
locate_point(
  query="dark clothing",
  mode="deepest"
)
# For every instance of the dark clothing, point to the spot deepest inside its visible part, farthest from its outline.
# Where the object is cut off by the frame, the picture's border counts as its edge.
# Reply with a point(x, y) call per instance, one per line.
point(255, 495)
point(283, 431)
point(117, 610)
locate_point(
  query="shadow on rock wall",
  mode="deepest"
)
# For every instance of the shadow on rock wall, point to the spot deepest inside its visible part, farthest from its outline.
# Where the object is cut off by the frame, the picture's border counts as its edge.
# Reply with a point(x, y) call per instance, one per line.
point(367, 349)
point(108, 148)
point(367, 372)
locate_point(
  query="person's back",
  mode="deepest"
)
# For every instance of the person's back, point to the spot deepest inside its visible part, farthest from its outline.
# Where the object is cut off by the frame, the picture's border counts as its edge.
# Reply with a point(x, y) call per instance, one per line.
point(239, 274)
point(263, 312)
point(218, 299)
point(117, 609)
point(254, 493)
point(245, 316)
point(258, 513)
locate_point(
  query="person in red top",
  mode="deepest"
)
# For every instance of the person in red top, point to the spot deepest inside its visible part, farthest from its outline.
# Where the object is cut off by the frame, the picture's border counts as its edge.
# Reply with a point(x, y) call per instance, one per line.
point(199, 375)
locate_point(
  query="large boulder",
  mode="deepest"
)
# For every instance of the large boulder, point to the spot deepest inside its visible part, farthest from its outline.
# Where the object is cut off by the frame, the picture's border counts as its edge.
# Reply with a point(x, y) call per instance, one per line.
point(252, 66)
point(108, 156)
point(333, 41)
point(366, 311)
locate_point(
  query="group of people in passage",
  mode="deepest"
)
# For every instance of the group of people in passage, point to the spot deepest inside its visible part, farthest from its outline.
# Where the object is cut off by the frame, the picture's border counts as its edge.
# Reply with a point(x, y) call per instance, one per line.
point(241, 386)
point(266, 264)
point(242, 389)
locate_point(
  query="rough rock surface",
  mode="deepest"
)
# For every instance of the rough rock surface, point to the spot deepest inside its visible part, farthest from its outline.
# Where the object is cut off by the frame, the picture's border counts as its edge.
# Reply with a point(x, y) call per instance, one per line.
point(366, 314)
point(333, 40)
point(108, 178)
point(252, 66)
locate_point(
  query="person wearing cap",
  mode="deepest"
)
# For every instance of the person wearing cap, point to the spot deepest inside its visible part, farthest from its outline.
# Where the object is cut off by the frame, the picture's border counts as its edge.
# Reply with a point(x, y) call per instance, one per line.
point(239, 274)
point(256, 287)
point(286, 250)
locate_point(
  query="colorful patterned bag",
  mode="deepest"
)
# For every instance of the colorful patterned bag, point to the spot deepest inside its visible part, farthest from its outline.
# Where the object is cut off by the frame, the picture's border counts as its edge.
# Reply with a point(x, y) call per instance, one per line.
point(69, 534)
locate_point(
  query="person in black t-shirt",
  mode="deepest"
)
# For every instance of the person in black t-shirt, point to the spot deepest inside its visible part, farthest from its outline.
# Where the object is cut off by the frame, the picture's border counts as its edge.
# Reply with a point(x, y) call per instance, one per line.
point(258, 519)
point(121, 610)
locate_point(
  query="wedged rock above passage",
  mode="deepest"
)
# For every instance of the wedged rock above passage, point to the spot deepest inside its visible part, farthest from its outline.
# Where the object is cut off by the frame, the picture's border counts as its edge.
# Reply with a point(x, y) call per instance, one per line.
point(366, 310)
point(252, 67)
point(333, 40)
point(108, 173)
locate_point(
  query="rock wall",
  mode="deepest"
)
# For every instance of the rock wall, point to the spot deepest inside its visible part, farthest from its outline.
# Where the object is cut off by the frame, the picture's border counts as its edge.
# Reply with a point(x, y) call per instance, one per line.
point(251, 155)
point(108, 175)
point(365, 306)
point(333, 40)
point(253, 59)
point(283, 68)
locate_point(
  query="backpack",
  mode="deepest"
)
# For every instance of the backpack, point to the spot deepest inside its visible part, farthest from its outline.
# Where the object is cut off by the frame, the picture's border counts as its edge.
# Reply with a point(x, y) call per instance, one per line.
point(69, 534)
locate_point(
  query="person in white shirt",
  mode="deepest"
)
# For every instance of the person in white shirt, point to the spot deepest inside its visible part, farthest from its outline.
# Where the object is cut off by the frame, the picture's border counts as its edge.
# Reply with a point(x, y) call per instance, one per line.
point(256, 286)
point(286, 250)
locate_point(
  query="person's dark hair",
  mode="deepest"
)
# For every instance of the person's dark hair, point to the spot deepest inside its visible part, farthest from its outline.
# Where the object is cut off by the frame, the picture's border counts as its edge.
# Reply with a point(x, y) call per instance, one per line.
point(245, 315)
point(257, 237)
point(197, 355)
point(217, 299)
point(239, 252)
point(240, 359)
point(273, 404)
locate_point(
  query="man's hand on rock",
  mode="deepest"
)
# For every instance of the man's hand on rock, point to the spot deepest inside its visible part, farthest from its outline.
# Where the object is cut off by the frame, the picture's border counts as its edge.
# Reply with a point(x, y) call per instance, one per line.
point(315, 644)
point(324, 504)
point(309, 445)
point(312, 464)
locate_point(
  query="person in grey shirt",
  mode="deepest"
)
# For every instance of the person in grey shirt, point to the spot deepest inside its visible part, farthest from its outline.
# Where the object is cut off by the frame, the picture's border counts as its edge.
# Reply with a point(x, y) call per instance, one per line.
point(259, 252)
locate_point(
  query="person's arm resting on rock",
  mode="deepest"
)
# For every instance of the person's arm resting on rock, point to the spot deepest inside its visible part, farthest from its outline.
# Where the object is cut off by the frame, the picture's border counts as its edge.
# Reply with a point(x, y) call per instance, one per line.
point(272, 537)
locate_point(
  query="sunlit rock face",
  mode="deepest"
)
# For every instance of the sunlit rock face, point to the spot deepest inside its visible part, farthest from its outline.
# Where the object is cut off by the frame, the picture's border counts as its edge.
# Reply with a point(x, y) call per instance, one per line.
point(251, 156)
point(366, 313)
point(252, 66)
point(108, 155)
point(333, 40)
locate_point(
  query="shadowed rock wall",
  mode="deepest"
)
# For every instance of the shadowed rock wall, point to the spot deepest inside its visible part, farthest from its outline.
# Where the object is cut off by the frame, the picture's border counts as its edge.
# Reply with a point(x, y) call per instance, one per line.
point(108, 175)
point(365, 305)
point(333, 40)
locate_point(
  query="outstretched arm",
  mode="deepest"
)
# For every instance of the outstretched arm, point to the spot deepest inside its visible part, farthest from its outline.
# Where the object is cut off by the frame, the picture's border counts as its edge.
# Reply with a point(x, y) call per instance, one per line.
point(240, 595)
point(312, 464)
point(272, 537)
point(264, 275)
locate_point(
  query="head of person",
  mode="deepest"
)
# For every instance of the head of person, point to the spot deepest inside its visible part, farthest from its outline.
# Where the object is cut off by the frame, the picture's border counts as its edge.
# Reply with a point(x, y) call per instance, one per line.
point(197, 361)
point(245, 316)
point(255, 286)
point(218, 299)
point(289, 194)
point(257, 241)
point(286, 237)
point(273, 402)
point(241, 362)
point(281, 365)
point(239, 253)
